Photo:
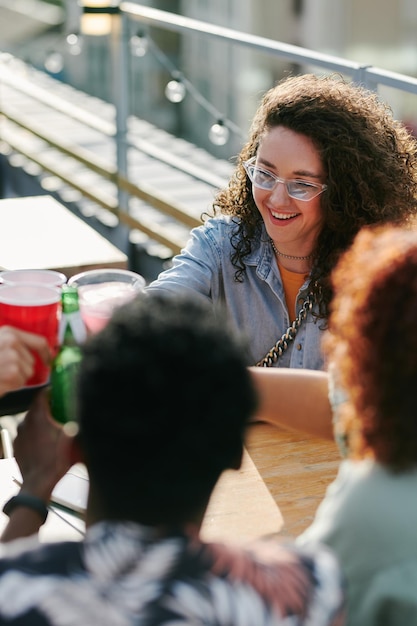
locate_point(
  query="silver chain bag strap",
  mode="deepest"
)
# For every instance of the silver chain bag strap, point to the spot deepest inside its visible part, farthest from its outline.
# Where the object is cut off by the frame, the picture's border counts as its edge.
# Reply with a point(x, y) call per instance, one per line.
point(282, 344)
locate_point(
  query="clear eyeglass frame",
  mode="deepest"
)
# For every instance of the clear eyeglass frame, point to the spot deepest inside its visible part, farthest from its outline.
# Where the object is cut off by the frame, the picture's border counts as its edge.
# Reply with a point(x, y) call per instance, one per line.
point(298, 189)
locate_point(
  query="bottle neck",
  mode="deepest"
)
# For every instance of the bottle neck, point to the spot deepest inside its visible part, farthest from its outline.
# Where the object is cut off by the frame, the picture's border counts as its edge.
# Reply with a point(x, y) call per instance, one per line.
point(72, 329)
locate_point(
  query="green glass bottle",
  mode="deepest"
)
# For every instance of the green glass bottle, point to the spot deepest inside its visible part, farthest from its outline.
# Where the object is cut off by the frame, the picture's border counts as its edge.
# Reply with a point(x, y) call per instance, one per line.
point(66, 363)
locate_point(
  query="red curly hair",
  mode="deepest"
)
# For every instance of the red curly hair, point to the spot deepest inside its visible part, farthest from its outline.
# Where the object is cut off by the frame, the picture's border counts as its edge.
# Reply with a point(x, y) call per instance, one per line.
point(372, 342)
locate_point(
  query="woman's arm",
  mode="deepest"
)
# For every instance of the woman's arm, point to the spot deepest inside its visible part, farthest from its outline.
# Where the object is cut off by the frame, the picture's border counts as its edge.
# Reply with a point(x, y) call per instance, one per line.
point(294, 398)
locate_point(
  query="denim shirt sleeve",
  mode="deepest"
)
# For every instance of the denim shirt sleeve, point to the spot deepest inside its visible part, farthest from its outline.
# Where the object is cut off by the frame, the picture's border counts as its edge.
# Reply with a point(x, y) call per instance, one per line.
point(256, 305)
point(193, 270)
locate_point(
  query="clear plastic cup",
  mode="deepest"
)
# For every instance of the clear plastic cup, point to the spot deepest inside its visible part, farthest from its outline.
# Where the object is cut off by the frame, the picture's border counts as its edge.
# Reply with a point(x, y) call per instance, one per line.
point(100, 291)
point(38, 276)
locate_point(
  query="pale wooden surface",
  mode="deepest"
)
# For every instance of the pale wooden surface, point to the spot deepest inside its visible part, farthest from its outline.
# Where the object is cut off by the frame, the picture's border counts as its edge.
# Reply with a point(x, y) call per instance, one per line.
point(276, 492)
point(282, 481)
point(296, 470)
point(241, 507)
point(39, 232)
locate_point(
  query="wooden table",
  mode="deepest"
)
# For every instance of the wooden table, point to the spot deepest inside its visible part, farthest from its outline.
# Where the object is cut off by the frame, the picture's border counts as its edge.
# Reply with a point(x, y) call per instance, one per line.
point(241, 507)
point(295, 469)
point(276, 492)
point(39, 232)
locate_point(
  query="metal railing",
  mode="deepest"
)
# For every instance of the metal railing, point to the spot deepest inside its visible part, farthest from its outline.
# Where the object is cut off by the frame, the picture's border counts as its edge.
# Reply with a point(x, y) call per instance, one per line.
point(116, 129)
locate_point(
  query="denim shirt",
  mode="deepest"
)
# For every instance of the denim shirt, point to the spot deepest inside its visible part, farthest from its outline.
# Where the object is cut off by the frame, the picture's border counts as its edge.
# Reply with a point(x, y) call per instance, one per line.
point(257, 305)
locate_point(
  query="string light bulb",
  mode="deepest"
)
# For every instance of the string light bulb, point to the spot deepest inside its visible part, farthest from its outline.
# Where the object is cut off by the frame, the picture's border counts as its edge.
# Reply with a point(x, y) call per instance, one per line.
point(175, 91)
point(74, 43)
point(138, 45)
point(54, 62)
point(219, 133)
point(179, 86)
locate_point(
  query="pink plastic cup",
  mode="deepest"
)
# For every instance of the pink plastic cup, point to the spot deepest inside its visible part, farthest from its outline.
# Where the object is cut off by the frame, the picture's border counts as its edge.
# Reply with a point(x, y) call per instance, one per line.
point(37, 309)
point(101, 291)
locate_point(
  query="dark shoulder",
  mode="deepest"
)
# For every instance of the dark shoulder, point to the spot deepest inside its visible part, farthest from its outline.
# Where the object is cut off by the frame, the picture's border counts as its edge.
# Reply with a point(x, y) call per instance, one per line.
point(48, 558)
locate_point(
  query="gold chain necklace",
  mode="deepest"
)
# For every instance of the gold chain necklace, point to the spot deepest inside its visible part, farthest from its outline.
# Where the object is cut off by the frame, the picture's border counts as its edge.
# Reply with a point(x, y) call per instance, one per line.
point(289, 256)
point(283, 342)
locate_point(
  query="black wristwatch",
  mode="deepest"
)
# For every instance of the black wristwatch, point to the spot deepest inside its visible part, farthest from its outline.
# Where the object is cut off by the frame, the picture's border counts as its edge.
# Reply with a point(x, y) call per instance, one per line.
point(30, 502)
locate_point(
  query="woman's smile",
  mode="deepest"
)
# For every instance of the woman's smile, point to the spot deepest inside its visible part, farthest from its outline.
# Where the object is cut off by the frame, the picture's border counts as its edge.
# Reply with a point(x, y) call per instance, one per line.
point(294, 225)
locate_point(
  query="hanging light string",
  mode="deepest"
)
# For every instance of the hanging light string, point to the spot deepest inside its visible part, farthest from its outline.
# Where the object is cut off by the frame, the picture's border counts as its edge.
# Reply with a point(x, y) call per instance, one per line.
point(219, 132)
point(177, 88)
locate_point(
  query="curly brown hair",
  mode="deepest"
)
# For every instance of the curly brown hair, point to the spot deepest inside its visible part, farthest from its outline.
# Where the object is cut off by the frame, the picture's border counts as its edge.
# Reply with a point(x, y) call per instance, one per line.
point(369, 159)
point(372, 343)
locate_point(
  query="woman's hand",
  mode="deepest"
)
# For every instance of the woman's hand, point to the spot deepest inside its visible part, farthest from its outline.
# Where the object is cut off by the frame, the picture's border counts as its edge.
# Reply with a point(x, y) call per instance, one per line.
point(16, 358)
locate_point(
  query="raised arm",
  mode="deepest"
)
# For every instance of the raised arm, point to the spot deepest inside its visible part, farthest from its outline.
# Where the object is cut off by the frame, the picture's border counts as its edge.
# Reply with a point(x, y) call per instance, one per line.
point(44, 452)
point(296, 399)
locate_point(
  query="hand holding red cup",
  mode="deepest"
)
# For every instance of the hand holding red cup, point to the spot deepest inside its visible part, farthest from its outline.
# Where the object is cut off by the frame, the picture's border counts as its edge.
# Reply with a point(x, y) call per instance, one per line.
point(34, 308)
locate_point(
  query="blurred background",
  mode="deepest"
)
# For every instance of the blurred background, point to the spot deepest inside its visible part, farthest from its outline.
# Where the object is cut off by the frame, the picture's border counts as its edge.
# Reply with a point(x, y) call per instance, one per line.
point(189, 96)
point(373, 32)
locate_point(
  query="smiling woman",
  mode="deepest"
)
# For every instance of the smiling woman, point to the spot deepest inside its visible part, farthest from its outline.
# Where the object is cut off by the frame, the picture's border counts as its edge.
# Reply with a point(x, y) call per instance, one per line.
point(324, 158)
point(292, 212)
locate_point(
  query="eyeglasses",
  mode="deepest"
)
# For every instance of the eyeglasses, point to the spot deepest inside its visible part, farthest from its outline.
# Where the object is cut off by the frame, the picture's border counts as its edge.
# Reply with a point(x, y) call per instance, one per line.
point(297, 189)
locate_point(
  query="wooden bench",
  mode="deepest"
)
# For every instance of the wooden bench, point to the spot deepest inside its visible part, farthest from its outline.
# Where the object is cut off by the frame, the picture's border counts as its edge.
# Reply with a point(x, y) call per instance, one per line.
point(39, 232)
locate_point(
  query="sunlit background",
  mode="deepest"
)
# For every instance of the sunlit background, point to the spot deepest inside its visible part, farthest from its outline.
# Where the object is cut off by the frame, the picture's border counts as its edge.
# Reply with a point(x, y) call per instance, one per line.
point(47, 33)
point(186, 98)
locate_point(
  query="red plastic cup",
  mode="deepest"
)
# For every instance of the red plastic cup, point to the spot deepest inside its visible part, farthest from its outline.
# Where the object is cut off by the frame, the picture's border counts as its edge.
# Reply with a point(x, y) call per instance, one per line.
point(36, 309)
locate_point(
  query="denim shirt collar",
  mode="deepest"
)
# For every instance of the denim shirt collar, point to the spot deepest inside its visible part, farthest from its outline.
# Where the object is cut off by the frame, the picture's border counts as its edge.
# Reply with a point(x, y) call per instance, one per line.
point(262, 257)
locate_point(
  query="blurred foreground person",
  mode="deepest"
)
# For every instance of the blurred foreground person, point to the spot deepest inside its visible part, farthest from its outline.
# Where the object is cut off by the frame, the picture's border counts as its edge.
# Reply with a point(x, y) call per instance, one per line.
point(165, 397)
point(369, 514)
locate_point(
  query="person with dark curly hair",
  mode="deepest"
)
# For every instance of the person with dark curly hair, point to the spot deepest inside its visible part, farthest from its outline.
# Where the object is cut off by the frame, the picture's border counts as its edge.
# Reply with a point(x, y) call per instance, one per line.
point(324, 158)
point(369, 514)
point(160, 419)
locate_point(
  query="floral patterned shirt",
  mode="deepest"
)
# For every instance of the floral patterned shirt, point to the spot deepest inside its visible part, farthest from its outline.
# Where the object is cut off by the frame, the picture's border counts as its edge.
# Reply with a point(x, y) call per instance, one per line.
point(123, 574)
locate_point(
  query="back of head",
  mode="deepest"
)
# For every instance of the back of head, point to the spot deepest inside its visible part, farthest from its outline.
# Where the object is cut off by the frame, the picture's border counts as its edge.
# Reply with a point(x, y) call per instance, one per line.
point(373, 343)
point(165, 397)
